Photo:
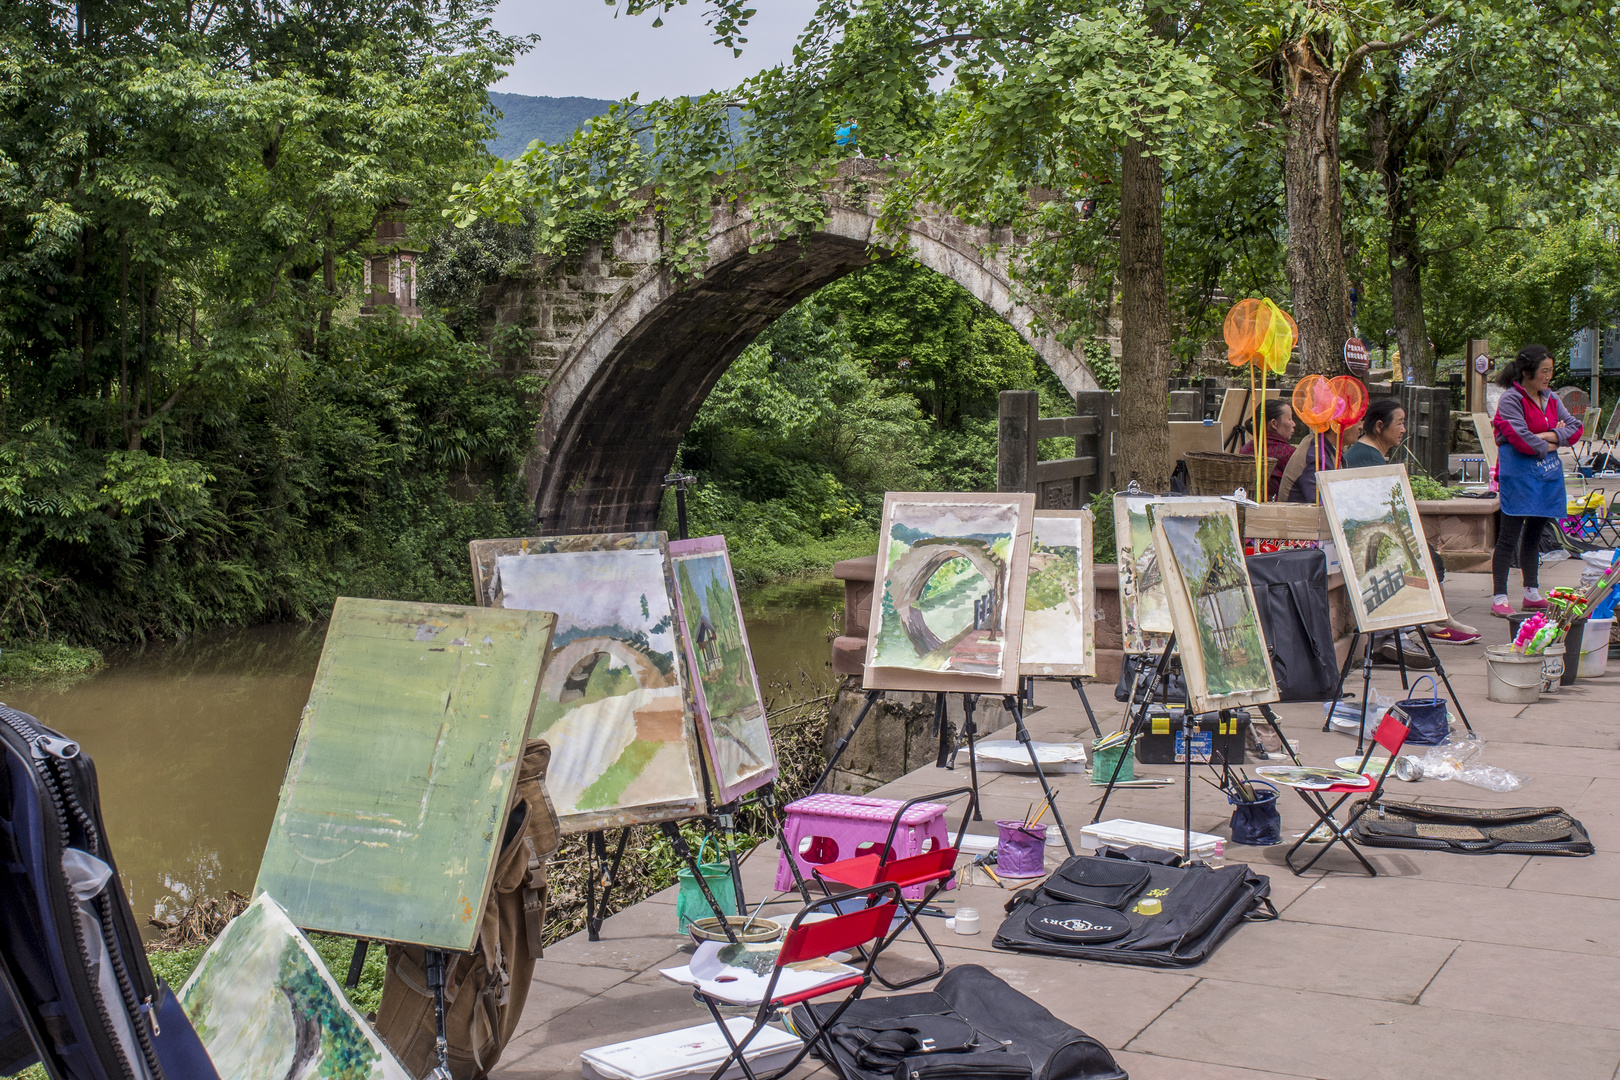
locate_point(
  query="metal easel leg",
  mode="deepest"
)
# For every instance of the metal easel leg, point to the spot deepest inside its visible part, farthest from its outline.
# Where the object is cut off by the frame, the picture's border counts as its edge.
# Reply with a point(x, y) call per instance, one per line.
point(596, 911)
point(1138, 722)
point(683, 852)
point(970, 702)
point(1079, 684)
point(441, 1042)
point(1344, 673)
point(1440, 670)
point(1010, 703)
point(1270, 716)
point(843, 742)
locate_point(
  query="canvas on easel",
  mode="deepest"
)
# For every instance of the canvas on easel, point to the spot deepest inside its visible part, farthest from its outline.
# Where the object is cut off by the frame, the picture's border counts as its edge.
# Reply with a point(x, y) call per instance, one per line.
point(725, 685)
point(1382, 550)
point(1144, 614)
point(1060, 598)
point(400, 781)
point(614, 702)
point(948, 602)
point(1217, 623)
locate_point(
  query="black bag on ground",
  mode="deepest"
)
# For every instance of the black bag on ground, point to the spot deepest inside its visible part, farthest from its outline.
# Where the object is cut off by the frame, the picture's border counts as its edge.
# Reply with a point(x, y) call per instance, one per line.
point(75, 986)
point(1132, 663)
point(1290, 589)
point(971, 1025)
point(1469, 830)
point(1087, 911)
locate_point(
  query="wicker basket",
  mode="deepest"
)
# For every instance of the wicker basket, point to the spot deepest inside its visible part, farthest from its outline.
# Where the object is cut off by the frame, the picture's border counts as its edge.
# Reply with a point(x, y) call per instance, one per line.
point(1221, 474)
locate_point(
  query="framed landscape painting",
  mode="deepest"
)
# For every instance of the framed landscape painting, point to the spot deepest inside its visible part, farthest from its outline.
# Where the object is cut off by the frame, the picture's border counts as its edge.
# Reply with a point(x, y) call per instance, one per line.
point(265, 1006)
point(613, 703)
point(1060, 599)
point(948, 603)
point(1144, 613)
point(399, 783)
point(725, 686)
point(1218, 633)
point(1382, 549)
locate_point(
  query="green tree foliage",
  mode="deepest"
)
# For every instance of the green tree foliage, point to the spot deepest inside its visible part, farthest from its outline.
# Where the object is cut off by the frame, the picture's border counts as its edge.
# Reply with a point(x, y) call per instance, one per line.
point(193, 427)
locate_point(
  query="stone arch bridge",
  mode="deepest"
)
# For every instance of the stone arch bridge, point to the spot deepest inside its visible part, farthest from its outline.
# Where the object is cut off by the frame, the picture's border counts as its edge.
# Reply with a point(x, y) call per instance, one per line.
point(630, 352)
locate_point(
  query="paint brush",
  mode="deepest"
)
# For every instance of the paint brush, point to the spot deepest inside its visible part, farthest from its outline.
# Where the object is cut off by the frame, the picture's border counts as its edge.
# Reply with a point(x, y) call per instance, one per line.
point(1028, 812)
point(1044, 808)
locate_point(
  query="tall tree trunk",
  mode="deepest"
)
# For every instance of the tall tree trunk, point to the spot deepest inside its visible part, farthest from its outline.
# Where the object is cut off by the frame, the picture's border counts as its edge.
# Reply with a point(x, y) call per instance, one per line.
point(1316, 273)
point(328, 280)
point(1144, 362)
point(1406, 300)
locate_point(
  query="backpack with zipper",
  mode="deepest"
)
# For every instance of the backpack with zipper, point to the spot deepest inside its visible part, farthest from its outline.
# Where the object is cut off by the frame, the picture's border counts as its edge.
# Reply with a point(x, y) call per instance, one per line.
point(76, 991)
point(486, 988)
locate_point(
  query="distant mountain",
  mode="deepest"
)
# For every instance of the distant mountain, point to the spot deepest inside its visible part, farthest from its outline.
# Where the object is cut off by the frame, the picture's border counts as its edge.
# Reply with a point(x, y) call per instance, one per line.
point(549, 119)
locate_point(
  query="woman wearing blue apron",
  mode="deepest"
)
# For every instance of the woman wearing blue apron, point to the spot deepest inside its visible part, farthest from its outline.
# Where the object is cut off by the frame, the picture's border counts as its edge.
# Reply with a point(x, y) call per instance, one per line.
point(1530, 425)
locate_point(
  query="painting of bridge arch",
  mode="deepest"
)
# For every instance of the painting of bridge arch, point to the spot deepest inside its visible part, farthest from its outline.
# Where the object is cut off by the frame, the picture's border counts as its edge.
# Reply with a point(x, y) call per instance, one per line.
point(1059, 599)
point(952, 569)
point(725, 687)
point(613, 701)
point(1382, 550)
point(1217, 625)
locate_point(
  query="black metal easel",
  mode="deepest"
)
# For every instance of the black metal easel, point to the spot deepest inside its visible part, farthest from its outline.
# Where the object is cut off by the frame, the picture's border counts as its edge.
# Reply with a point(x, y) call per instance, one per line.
point(1078, 682)
point(1160, 676)
point(1365, 639)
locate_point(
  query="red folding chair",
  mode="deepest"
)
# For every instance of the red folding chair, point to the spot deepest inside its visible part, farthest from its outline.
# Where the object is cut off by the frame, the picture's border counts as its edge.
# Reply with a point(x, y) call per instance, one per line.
point(1391, 735)
point(933, 869)
point(864, 929)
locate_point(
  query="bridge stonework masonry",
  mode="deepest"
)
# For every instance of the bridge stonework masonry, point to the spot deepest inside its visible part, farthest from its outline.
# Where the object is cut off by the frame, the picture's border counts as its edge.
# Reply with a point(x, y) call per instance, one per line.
point(630, 351)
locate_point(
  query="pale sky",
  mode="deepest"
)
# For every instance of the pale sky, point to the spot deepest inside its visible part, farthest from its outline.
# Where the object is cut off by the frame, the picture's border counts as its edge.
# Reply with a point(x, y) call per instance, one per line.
point(585, 51)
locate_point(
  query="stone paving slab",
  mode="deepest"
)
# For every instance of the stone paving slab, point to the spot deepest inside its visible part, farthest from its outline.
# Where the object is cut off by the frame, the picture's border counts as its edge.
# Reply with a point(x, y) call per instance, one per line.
point(1443, 966)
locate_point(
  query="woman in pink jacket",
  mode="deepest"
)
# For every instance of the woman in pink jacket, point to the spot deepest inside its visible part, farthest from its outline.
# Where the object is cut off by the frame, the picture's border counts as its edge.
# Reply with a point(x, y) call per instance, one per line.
point(1530, 425)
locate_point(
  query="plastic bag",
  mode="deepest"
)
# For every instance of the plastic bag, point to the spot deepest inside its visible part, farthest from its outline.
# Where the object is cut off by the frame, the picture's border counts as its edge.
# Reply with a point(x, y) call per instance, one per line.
point(1345, 716)
point(1458, 758)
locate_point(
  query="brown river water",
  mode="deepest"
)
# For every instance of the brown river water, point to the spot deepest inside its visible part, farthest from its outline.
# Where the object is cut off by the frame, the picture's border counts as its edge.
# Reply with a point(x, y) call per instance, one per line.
point(190, 738)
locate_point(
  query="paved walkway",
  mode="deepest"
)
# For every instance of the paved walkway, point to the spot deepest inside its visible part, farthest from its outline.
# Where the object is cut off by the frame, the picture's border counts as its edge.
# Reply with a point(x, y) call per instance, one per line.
point(1444, 966)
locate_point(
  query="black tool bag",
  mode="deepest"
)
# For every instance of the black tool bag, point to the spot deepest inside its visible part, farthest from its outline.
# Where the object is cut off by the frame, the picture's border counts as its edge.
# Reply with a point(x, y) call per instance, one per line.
point(1171, 690)
point(1087, 910)
point(1468, 830)
point(75, 987)
point(1290, 589)
point(971, 1026)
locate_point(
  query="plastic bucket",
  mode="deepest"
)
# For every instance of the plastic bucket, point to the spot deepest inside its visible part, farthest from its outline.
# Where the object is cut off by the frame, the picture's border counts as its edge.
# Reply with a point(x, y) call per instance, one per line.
point(1594, 649)
point(1020, 849)
point(1573, 638)
point(1257, 823)
point(1429, 724)
point(1553, 668)
point(1103, 762)
point(690, 905)
point(1512, 678)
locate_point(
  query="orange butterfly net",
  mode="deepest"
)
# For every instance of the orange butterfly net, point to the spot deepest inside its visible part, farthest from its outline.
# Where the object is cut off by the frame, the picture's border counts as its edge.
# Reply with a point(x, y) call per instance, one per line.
point(1259, 335)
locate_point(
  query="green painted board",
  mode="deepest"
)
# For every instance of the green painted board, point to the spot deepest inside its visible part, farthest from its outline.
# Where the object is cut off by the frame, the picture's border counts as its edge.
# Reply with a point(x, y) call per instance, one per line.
point(402, 775)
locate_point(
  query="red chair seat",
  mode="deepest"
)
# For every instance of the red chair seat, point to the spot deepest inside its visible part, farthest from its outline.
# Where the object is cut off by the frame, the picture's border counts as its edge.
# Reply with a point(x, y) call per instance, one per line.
point(866, 870)
point(819, 991)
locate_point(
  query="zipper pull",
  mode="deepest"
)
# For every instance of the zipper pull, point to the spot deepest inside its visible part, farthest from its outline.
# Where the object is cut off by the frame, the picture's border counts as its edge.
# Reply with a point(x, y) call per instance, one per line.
point(151, 1017)
point(61, 749)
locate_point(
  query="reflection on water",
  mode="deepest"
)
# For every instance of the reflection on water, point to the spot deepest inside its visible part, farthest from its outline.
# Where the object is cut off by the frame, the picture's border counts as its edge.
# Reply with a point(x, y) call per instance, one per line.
point(190, 738)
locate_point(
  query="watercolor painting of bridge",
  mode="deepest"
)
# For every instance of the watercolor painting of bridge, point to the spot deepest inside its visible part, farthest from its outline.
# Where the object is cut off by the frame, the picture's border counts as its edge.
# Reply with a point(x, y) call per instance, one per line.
point(613, 702)
point(1382, 549)
point(725, 686)
point(1144, 613)
point(1217, 625)
point(1060, 597)
point(950, 604)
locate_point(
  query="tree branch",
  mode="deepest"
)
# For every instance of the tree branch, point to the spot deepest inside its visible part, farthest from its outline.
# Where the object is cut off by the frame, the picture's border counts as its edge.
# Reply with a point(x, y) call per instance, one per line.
point(1352, 63)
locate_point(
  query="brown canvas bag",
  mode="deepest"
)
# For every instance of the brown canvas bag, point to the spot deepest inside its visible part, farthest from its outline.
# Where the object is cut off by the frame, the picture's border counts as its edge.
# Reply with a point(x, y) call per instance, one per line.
point(486, 988)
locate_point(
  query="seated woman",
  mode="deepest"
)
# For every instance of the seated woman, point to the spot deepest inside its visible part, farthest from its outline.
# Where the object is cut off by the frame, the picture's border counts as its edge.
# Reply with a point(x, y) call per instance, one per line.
point(1279, 444)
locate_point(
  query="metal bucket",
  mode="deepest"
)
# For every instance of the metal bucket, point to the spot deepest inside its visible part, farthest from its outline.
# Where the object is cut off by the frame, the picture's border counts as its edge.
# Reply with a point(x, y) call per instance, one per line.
point(1510, 677)
point(1552, 668)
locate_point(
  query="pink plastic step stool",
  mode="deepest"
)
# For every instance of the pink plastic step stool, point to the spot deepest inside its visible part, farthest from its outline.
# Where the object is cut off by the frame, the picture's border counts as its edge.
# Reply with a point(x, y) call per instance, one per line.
point(825, 828)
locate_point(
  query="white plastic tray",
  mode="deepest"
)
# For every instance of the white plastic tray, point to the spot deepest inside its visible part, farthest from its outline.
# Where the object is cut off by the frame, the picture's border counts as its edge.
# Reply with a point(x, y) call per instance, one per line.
point(689, 1052)
point(1123, 832)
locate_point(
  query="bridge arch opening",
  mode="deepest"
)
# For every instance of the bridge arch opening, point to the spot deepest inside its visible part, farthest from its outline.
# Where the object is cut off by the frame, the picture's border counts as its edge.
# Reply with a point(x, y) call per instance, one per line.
point(631, 377)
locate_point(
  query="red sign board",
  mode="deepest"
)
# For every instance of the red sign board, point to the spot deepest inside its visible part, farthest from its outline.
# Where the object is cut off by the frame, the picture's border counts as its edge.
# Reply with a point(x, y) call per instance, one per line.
point(1355, 357)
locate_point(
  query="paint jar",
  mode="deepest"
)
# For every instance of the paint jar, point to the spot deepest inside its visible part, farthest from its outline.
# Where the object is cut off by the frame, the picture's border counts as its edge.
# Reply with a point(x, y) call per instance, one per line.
point(1103, 762)
point(1020, 850)
point(967, 921)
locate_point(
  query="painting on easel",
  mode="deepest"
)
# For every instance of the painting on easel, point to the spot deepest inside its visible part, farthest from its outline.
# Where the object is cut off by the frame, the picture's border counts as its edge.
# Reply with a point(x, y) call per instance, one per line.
point(1059, 600)
point(1388, 573)
point(1144, 613)
point(1217, 624)
point(948, 604)
point(391, 809)
point(613, 703)
point(725, 686)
